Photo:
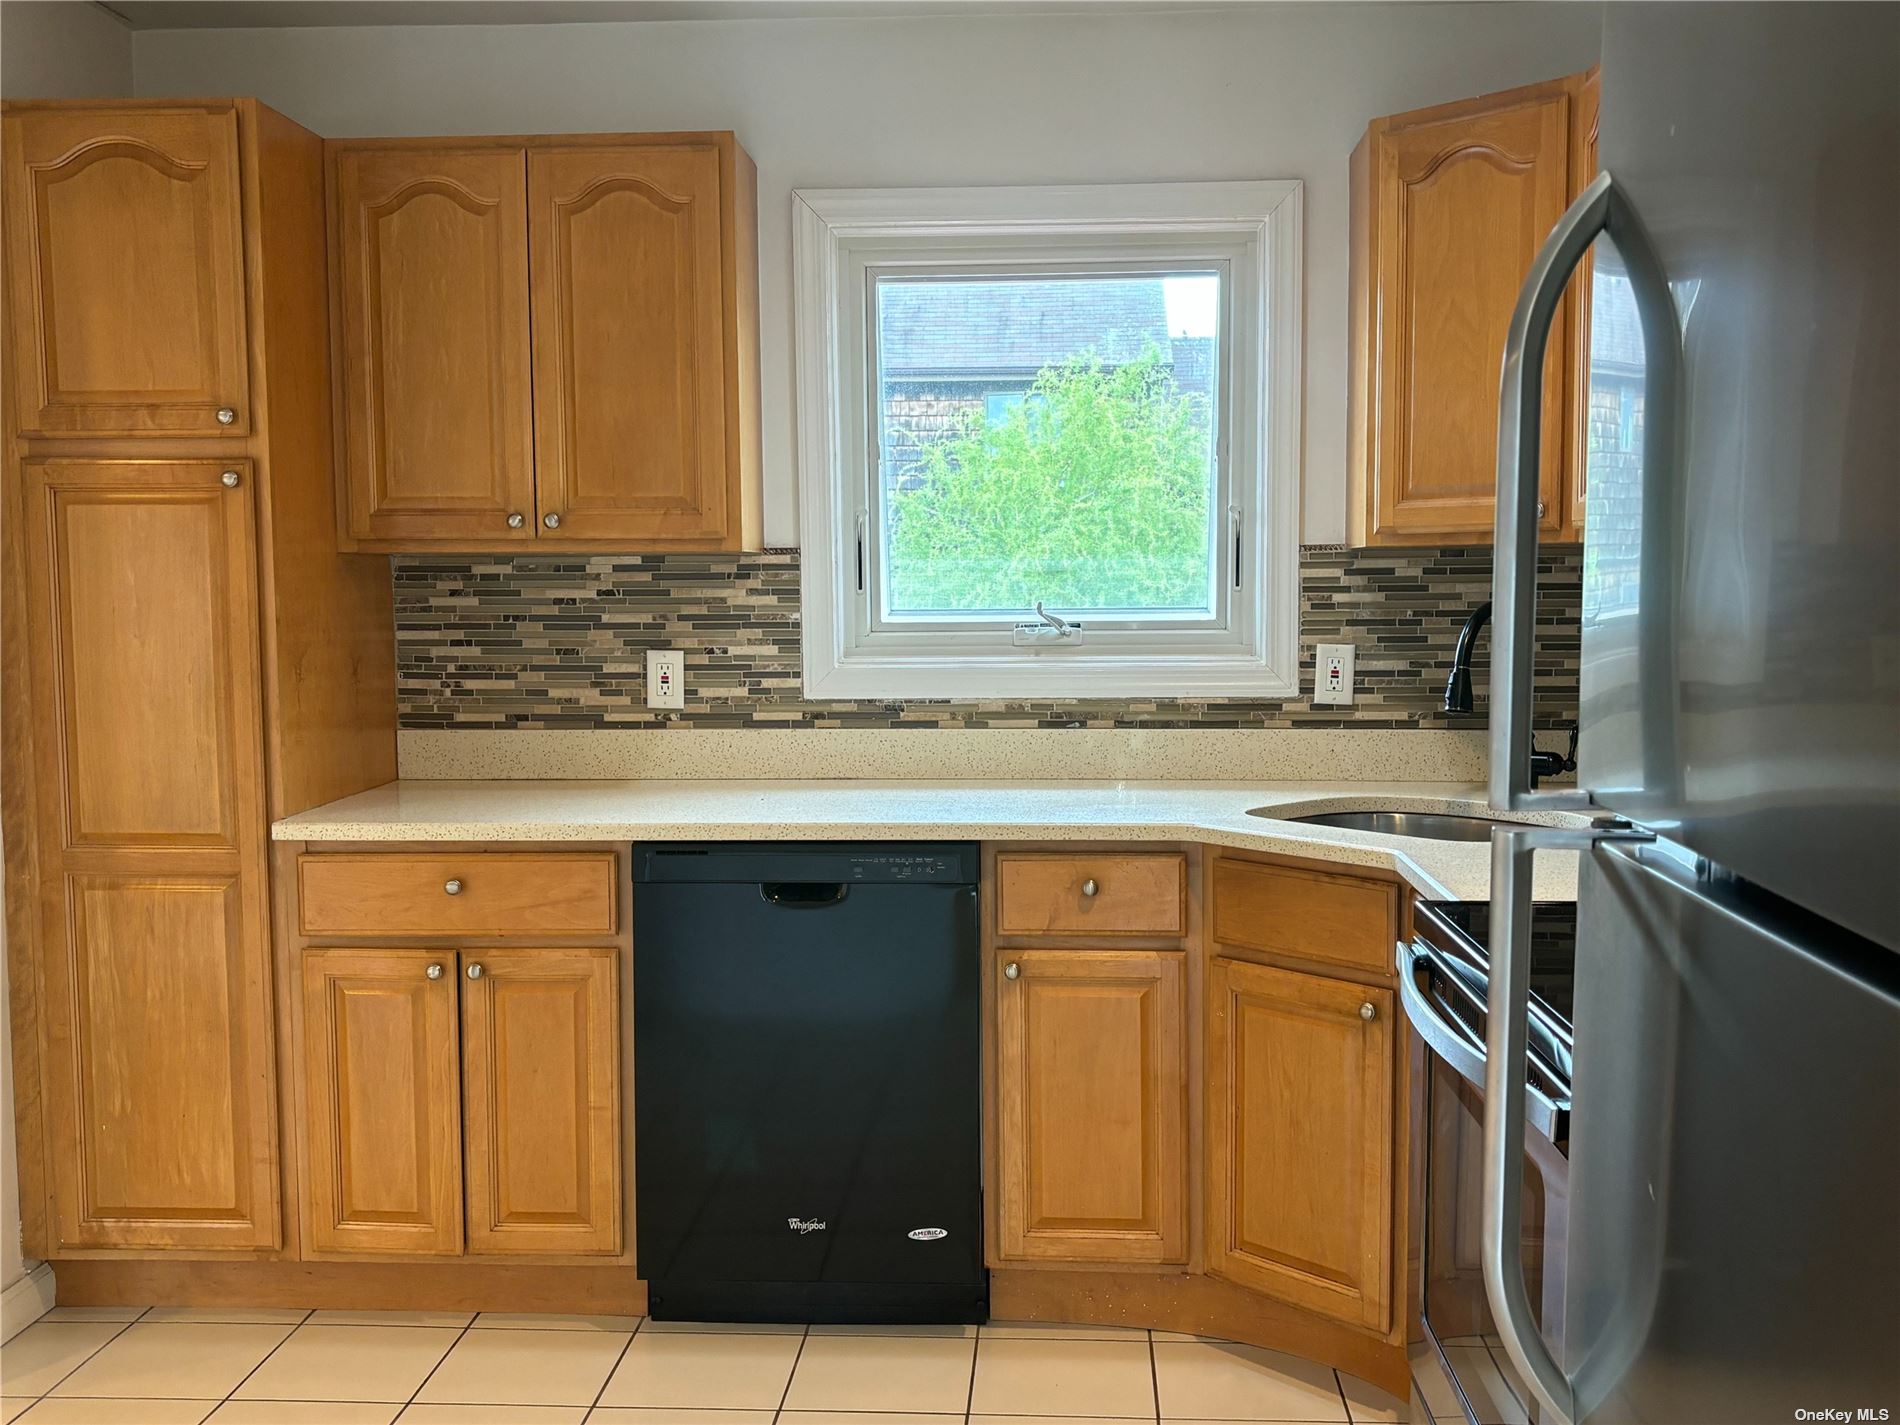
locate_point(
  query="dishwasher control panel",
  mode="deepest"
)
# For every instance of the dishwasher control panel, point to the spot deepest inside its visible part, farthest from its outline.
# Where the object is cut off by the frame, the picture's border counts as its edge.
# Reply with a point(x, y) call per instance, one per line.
point(951, 863)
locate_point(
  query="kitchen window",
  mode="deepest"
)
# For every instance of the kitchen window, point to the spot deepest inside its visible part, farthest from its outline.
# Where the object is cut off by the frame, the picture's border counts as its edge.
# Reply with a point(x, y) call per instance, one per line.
point(1049, 440)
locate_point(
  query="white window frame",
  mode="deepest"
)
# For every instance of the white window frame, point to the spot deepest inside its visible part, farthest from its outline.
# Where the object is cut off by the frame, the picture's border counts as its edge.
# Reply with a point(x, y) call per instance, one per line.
point(842, 238)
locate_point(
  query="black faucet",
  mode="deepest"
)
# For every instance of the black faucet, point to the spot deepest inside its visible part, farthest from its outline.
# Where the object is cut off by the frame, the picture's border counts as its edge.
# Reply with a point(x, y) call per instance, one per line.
point(1458, 697)
point(1458, 685)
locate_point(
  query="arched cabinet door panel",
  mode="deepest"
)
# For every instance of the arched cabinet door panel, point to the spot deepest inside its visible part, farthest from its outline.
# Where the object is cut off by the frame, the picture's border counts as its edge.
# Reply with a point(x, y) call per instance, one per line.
point(432, 333)
point(630, 342)
point(126, 257)
point(1450, 206)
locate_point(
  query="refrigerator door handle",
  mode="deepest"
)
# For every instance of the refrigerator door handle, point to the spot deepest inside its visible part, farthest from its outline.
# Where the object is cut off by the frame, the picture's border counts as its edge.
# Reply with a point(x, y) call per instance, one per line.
point(1507, 1040)
point(1601, 208)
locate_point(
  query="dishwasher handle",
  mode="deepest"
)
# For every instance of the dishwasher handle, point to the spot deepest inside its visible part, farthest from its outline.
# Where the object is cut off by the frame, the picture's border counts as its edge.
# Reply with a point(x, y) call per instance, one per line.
point(803, 895)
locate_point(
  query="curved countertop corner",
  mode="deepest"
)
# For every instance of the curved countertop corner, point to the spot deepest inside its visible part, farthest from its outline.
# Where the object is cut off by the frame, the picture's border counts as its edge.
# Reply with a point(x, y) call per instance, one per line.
point(1212, 812)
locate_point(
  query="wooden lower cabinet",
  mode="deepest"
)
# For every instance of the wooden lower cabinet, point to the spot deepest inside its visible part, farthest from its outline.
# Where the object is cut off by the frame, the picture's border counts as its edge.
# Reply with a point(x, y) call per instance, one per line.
point(462, 1102)
point(1091, 1085)
point(1300, 1139)
point(382, 1120)
point(541, 1097)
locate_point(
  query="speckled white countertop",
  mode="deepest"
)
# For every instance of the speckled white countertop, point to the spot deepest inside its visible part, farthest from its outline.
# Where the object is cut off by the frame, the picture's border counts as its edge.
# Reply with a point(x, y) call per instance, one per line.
point(1213, 812)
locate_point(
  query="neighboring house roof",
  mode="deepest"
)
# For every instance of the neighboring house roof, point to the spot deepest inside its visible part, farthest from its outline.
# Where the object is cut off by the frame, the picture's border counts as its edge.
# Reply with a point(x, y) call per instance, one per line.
point(941, 328)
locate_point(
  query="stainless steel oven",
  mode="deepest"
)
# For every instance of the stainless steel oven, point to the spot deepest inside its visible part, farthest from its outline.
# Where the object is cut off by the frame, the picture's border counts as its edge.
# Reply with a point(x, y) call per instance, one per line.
point(1443, 976)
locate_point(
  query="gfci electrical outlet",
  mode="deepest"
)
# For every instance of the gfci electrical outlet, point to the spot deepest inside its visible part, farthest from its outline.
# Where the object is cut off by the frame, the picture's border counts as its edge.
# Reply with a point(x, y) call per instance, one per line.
point(1332, 674)
point(666, 678)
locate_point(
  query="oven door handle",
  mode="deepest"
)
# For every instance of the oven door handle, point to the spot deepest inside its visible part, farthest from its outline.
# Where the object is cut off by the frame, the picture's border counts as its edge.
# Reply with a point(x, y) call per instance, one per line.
point(1445, 1040)
point(1458, 1047)
point(1507, 1040)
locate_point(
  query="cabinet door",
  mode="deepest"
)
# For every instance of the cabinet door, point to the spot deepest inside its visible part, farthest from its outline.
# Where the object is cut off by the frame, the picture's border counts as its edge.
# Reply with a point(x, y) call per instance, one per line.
point(125, 244)
point(1583, 168)
point(1091, 1094)
point(630, 322)
point(1300, 1135)
point(541, 1070)
point(432, 265)
point(155, 950)
point(382, 1120)
point(1465, 195)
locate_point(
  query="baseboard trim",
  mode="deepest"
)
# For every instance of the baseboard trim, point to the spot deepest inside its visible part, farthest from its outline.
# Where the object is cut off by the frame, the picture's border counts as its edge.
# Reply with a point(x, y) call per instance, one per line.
point(26, 1301)
point(386, 1286)
point(1199, 1305)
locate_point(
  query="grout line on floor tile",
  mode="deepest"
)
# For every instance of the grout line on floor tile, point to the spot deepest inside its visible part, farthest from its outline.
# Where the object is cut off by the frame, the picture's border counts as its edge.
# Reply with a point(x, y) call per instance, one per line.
point(607, 1379)
point(1340, 1386)
point(89, 1355)
point(459, 1338)
point(229, 1394)
point(1154, 1376)
point(797, 1356)
point(969, 1396)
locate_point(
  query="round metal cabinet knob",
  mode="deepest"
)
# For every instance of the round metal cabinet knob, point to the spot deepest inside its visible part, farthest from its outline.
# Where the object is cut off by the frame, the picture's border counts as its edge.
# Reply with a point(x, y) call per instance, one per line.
point(227, 416)
point(551, 520)
point(453, 886)
point(516, 519)
point(1540, 509)
point(1089, 887)
point(1012, 970)
point(434, 972)
point(1368, 1010)
point(229, 479)
point(475, 970)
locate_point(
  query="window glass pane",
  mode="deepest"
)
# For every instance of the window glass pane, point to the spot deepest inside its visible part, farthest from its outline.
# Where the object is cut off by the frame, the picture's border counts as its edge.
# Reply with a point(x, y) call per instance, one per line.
point(1048, 438)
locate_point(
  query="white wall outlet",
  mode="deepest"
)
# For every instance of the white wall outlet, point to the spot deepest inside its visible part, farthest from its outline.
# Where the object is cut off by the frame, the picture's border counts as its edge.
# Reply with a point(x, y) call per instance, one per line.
point(1332, 674)
point(666, 678)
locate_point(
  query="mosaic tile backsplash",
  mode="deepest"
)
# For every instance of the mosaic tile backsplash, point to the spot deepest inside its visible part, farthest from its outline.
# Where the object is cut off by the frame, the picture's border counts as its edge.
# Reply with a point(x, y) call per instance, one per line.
point(539, 642)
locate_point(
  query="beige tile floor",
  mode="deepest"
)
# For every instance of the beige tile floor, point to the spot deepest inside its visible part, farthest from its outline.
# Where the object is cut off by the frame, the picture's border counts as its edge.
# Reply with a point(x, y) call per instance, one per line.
point(173, 1366)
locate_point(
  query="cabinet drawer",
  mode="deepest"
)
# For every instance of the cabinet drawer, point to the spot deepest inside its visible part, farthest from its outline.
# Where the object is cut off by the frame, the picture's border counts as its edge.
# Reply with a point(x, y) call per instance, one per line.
point(1343, 920)
point(1038, 894)
point(465, 893)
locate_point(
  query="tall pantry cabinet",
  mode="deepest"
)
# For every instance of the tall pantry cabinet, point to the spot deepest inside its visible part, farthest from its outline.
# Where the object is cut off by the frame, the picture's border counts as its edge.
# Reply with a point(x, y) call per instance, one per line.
point(186, 655)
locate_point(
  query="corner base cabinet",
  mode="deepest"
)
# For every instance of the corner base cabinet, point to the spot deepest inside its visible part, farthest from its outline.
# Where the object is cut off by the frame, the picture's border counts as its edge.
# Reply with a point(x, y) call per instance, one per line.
point(1299, 1114)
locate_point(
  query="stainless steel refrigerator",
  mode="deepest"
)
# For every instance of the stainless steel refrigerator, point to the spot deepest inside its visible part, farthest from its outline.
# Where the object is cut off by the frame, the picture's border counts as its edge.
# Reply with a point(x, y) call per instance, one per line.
point(1734, 1230)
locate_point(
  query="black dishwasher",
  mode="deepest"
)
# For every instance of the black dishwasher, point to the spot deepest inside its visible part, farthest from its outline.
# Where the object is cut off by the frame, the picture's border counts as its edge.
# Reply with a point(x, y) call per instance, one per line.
point(806, 1082)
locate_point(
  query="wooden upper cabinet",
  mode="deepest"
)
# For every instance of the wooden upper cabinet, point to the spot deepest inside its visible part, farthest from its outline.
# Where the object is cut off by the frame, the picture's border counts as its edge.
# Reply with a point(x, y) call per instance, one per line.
point(432, 334)
point(1299, 1109)
point(1091, 1092)
point(541, 1066)
point(154, 944)
point(382, 1128)
point(1450, 206)
point(627, 265)
point(125, 244)
point(629, 320)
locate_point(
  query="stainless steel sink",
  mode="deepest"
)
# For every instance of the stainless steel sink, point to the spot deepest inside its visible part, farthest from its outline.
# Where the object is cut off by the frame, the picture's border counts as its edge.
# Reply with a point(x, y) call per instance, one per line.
point(1433, 825)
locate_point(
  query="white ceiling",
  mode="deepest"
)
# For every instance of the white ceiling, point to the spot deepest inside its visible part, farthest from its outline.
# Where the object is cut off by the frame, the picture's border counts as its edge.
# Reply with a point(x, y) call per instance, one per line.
point(302, 14)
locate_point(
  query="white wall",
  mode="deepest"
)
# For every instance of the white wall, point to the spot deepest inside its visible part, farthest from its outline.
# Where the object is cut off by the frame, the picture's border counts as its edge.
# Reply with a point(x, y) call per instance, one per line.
point(63, 49)
point(1271, 92)
point(49, 49)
